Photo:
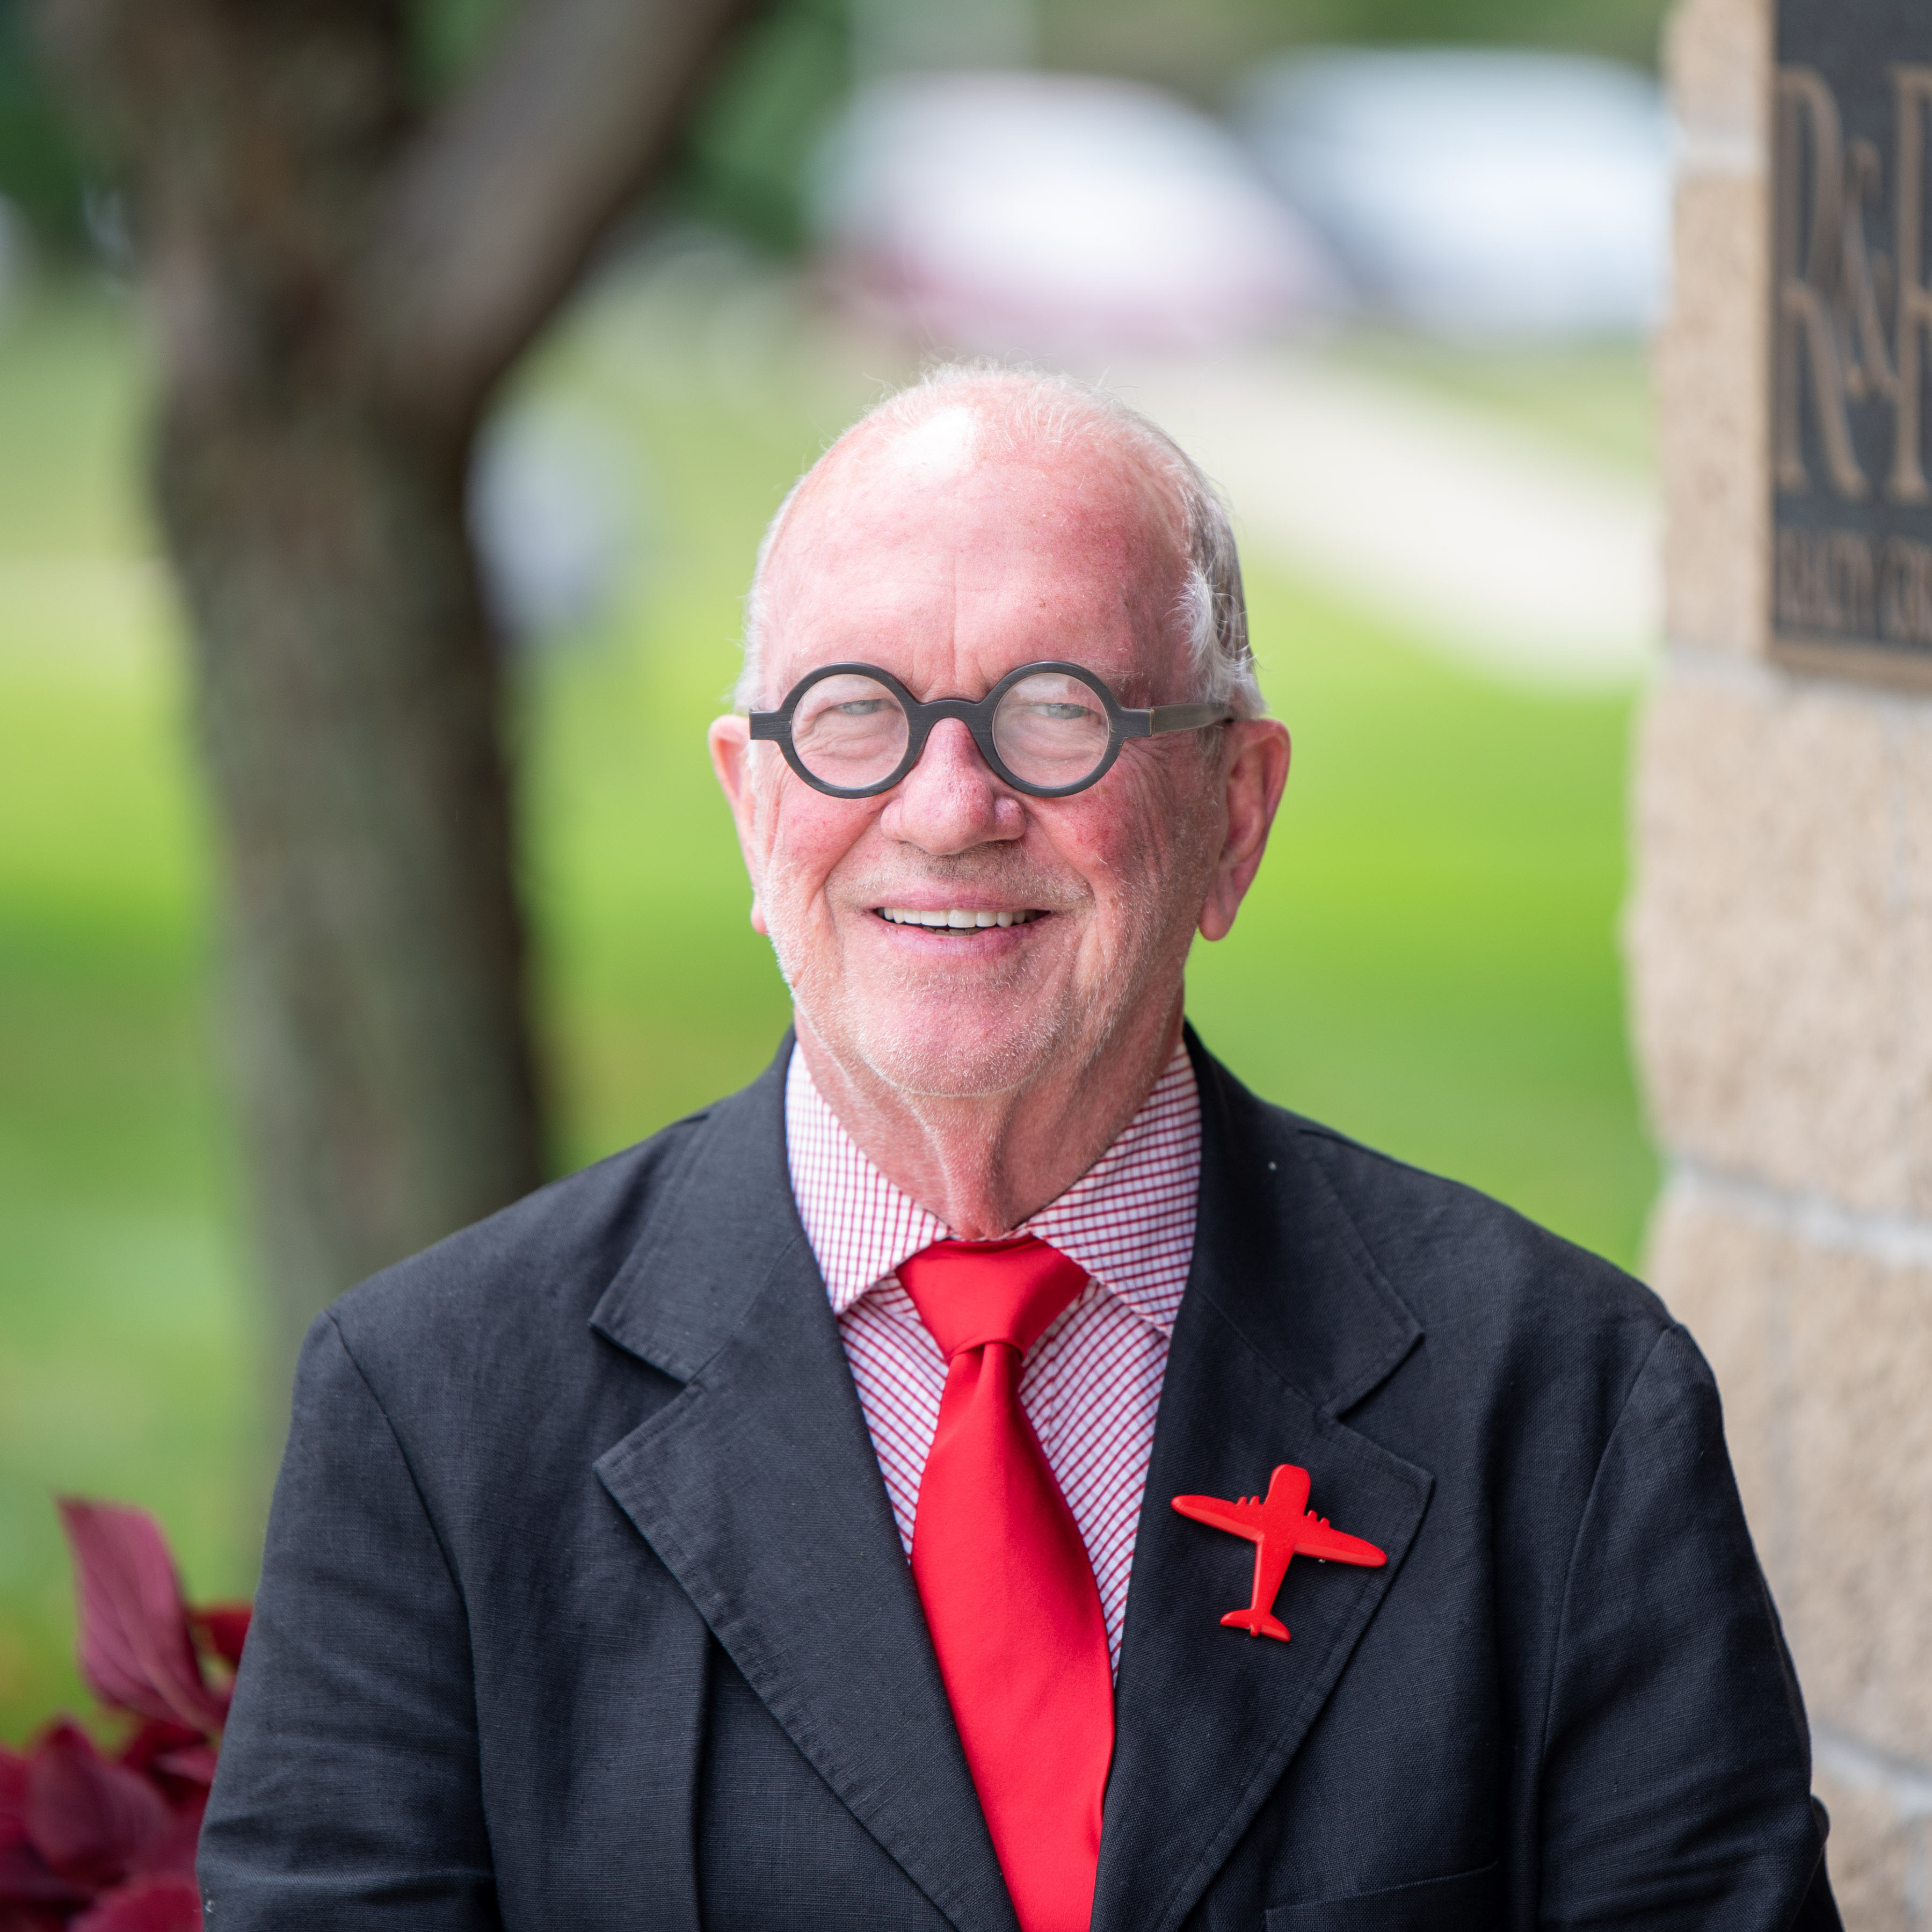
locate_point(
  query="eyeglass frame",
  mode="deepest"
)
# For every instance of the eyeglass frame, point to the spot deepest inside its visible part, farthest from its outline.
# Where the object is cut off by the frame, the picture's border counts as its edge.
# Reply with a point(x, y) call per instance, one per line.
point(977, 715)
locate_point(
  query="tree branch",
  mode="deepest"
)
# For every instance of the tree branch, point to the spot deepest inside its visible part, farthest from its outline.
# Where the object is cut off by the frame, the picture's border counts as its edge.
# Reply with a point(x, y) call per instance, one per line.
point(509, 190)
point(101, 50)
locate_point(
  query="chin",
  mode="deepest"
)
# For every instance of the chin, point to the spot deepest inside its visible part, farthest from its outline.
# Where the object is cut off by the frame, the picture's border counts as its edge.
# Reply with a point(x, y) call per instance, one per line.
point(944, 1053)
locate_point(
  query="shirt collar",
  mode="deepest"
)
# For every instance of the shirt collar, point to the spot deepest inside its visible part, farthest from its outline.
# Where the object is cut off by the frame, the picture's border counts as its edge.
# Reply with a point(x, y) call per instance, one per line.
point(1128, 1220)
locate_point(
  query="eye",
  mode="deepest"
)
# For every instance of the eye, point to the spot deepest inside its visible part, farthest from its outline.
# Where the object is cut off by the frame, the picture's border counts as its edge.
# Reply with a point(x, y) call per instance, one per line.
point(849, 729)
point(1050, 730)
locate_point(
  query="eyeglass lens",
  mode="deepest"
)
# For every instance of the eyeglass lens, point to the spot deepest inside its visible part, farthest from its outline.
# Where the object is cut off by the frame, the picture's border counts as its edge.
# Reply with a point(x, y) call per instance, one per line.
point(1051, 730)
point(849, 731)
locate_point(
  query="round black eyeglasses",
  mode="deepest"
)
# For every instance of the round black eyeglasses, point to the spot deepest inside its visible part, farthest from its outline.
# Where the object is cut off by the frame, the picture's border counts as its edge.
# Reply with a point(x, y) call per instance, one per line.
point(1048, 729)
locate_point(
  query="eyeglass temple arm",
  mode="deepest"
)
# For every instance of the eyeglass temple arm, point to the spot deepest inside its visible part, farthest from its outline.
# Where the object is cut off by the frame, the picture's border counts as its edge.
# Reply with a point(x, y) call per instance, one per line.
point(766, 724)
point(1174, 718)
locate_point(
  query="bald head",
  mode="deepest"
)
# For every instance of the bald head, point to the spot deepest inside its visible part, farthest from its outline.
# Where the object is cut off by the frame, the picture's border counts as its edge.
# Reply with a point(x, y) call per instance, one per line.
point(1121, 476)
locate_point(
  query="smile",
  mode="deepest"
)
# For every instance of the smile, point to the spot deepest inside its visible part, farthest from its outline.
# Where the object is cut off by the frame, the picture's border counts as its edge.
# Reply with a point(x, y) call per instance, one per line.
point(955, 919)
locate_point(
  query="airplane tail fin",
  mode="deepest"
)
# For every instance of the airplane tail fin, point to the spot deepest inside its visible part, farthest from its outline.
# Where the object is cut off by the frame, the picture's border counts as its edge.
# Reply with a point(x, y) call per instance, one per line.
point(1256, 1623)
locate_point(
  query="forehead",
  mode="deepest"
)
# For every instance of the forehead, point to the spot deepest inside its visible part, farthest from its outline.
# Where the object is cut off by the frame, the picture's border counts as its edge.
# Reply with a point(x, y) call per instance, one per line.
point(956, 546)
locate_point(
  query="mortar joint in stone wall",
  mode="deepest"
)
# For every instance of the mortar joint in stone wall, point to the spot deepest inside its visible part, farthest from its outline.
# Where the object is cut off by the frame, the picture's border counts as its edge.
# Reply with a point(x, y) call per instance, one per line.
point(1905, 1785)
point(1705, 152)
point(1893, 1240)
point(1763, 678)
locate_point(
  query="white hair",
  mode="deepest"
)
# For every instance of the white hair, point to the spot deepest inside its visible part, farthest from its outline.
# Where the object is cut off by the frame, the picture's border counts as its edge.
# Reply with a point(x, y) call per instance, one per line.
point(1040, 408)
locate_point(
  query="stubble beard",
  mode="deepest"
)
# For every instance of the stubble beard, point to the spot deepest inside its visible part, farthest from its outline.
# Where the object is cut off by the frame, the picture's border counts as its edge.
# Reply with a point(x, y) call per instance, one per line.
point(1043, 1031)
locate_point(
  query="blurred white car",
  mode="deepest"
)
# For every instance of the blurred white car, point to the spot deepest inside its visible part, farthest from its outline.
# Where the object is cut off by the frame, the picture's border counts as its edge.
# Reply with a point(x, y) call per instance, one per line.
point(1056, 215)
point(1479, 194)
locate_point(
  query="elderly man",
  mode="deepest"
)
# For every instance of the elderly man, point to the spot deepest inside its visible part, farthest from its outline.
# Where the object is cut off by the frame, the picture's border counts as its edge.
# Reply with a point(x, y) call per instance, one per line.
point(839, 1511)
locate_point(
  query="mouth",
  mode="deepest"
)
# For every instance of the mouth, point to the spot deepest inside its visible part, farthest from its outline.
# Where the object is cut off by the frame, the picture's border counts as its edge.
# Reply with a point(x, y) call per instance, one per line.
point(956, 918)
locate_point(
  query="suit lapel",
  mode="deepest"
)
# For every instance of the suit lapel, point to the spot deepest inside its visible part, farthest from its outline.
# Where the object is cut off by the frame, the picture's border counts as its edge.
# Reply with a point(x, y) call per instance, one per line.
point(1286, 1323)
point(758, 1488)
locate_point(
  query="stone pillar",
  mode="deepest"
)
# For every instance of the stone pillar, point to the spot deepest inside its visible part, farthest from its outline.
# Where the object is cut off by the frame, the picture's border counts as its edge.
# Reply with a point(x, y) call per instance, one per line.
point(1780, 934)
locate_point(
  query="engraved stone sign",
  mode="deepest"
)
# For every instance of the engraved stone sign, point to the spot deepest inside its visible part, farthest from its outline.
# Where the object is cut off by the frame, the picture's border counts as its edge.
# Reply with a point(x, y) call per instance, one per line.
point(1851, 421)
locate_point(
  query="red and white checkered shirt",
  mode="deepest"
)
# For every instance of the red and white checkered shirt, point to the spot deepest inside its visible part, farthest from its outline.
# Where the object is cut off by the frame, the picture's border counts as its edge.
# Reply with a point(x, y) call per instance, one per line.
point(1092, 1384)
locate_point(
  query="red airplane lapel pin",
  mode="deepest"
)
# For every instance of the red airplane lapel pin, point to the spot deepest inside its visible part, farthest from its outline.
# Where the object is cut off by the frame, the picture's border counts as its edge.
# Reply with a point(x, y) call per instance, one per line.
point(1282, 1527)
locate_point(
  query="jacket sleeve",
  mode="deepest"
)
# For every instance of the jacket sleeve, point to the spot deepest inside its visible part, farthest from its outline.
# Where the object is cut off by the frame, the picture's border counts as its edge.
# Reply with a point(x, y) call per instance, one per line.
point(1676, 1760)
point(348, 1794)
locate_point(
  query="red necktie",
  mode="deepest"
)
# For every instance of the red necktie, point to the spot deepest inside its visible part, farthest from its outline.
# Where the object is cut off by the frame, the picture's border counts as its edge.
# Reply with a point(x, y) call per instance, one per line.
point(1008, 1589)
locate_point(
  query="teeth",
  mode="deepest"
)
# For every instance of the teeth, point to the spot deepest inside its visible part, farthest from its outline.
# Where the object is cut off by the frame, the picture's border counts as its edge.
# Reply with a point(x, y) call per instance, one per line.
point(957, 918)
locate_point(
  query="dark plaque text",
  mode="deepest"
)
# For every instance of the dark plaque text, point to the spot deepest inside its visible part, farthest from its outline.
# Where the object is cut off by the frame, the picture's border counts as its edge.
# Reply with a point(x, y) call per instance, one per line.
point(1852, 336)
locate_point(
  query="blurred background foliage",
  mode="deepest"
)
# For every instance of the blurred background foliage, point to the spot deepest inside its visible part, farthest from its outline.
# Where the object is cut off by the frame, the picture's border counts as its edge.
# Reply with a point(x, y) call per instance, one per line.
point(1198, 49)
point(1429, 961)
point(743, 159)
point(41, 169)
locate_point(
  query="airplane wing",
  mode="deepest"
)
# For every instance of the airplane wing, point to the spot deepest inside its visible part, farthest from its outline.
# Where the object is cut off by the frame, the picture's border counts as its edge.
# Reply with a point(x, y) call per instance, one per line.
point(1317, 1539)
point(1221, 1515)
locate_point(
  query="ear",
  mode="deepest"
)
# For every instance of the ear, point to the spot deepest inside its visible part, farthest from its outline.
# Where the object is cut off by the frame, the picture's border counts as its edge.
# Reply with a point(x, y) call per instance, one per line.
point(729, 739)
point(1252, 780)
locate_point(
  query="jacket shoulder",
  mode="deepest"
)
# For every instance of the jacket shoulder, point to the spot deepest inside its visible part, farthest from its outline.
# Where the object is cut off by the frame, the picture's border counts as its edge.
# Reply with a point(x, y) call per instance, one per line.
point(535, 1266)
point(1480, 1278)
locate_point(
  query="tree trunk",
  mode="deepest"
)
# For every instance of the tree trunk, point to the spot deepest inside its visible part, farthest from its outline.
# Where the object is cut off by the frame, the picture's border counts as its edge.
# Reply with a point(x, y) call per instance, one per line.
point(346, 693)
point(338, 279)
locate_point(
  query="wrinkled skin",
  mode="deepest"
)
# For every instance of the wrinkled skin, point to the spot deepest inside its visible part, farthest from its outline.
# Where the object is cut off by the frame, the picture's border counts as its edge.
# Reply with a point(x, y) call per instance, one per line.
point(984, 1071)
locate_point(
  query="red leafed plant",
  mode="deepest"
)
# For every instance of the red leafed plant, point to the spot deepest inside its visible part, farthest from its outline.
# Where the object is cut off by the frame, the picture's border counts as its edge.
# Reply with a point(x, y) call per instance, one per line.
point(100, 1842)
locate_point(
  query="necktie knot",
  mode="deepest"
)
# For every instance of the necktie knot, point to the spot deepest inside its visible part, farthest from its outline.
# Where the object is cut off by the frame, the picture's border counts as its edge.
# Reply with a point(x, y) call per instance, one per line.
point(971, 1293)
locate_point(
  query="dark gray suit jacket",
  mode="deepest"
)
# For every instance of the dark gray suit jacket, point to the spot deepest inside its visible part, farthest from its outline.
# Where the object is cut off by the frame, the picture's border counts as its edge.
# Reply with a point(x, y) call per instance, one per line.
point(583, 1607)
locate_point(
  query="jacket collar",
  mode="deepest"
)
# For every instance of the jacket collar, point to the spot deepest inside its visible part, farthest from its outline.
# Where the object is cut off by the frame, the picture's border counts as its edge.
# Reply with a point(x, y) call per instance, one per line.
point(1280, 1258)
point(723, 1218)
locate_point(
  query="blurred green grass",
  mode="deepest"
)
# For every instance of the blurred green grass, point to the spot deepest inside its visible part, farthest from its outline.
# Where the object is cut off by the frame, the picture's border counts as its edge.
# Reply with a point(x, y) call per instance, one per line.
point(1428, 960)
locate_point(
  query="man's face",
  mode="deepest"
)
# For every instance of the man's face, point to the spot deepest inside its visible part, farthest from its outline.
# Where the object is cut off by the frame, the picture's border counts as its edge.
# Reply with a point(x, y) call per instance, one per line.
point(947, 558)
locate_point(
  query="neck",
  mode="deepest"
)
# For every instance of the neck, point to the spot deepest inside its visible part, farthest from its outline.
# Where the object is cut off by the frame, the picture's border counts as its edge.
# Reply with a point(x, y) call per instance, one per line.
point(983, 1162)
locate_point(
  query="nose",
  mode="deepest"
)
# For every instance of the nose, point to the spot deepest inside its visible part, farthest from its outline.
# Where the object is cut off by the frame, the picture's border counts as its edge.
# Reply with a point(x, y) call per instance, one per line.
point(951, 801)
